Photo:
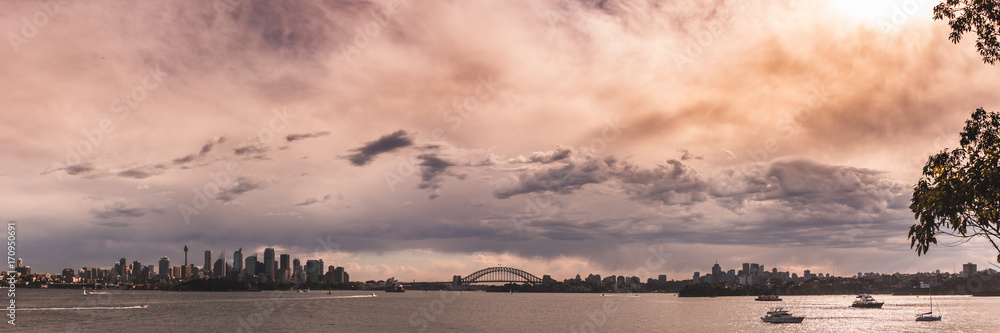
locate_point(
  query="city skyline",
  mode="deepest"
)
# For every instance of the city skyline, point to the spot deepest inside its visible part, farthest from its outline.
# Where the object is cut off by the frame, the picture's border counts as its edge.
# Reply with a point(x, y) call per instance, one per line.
point(425, 139)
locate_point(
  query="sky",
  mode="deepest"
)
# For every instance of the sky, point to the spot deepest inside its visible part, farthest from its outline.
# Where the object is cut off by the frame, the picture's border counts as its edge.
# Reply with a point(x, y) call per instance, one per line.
point(428, 139)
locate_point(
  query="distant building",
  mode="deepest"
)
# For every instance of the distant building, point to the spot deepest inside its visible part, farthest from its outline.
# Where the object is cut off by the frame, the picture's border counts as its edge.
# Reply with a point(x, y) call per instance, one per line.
point(269, 263)
point(312, 270)
point(662, 278)
point(250, 265)
point(338, 275)
point(238, 263)
point(219, 271)
point(165, 267)
point(717, 273)
point(208, 261)
point(284, 263)
point(697, 277)
point(969, 269)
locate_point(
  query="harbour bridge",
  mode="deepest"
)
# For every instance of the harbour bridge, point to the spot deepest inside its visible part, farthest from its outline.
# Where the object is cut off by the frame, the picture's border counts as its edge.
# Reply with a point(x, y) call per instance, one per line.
point(499, 274)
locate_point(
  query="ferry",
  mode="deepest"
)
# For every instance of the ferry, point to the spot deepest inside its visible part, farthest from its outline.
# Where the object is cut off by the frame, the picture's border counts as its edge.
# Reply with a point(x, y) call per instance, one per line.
point(781, 316)
point(768, 298)
point(866, 301)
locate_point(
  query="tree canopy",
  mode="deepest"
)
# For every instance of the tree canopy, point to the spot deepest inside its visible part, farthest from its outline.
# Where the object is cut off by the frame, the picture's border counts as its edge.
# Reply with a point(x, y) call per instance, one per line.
point(979, 16)
point(959, 191)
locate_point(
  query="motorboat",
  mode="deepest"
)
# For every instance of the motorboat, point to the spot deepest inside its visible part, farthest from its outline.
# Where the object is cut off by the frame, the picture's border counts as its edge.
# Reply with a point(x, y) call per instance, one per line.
point(866, 301)
point(781, 316)
point(768, 298)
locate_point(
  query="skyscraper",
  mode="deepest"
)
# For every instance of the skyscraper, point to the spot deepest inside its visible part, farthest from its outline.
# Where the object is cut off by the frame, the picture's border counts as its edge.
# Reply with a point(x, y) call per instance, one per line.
point(185, 255)
point(238, 262)
point(220, 267)
point(338, 275)
point(284, 262)
point(208, 261)
point(165, 267)
point(717, 273)
point(969, 269)
point(122, 271)
point(250, 265)
point(313, 270)
point(269, 263)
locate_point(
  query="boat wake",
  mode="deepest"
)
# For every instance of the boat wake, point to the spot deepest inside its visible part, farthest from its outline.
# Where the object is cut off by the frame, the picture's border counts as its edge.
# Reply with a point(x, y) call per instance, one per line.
point(86, 308)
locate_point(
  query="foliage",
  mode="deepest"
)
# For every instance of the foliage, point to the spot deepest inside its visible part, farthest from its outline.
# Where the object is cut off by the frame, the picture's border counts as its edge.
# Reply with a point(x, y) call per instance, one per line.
point(959, 192)
point(979, 16)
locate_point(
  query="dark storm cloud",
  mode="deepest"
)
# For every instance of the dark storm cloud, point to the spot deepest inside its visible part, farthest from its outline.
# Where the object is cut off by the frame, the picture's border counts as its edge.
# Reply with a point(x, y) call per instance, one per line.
point(544, 157)
point(207, 148)
point(806, 183)
point(117, 210)
point(300, 136)
point(307, 202)
point(144, 172)
point(384, 144)
point(242, 185)
point(431, 169)
point(253, 151)
point(563, 180)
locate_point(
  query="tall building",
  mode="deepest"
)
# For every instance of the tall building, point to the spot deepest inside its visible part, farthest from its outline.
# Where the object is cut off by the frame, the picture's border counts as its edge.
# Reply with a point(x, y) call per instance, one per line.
point(185, 255)
point(238, 263)
point(136, 270)
point(284, 262)
point(662, 278)
point(122, 270)
point(208, 261)
point(250, 265)
point(969, 269)
point(165, 267)
point(313, 270)
point(746, 269)
point(269, 263)
point(717, 273)
point(220, 268)
point(338, 275)
point(296, 270)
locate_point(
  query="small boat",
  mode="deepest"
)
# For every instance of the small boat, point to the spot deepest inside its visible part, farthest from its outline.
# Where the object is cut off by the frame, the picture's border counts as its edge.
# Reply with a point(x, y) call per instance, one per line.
point(781, 316)
point(866, 301)
point(929, 316)
point(329, 293)
point(143, 306)
point(768, 298)
point(373, 295)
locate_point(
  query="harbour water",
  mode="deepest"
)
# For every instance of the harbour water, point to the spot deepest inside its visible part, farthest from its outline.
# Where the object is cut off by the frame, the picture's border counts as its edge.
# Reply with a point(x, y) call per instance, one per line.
point(434, 311)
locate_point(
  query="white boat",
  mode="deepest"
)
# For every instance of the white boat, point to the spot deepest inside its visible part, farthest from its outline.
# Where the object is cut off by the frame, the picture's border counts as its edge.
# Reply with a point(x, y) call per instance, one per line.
point(929, 316)
point(781, 316)
point(866, 301)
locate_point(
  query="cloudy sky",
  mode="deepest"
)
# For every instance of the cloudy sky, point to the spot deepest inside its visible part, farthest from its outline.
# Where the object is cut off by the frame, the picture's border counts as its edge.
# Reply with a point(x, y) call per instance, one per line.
point(427, 139)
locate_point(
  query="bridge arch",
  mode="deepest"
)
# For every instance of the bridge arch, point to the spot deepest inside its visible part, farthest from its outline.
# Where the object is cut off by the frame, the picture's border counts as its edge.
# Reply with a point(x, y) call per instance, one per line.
point(500, 274)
